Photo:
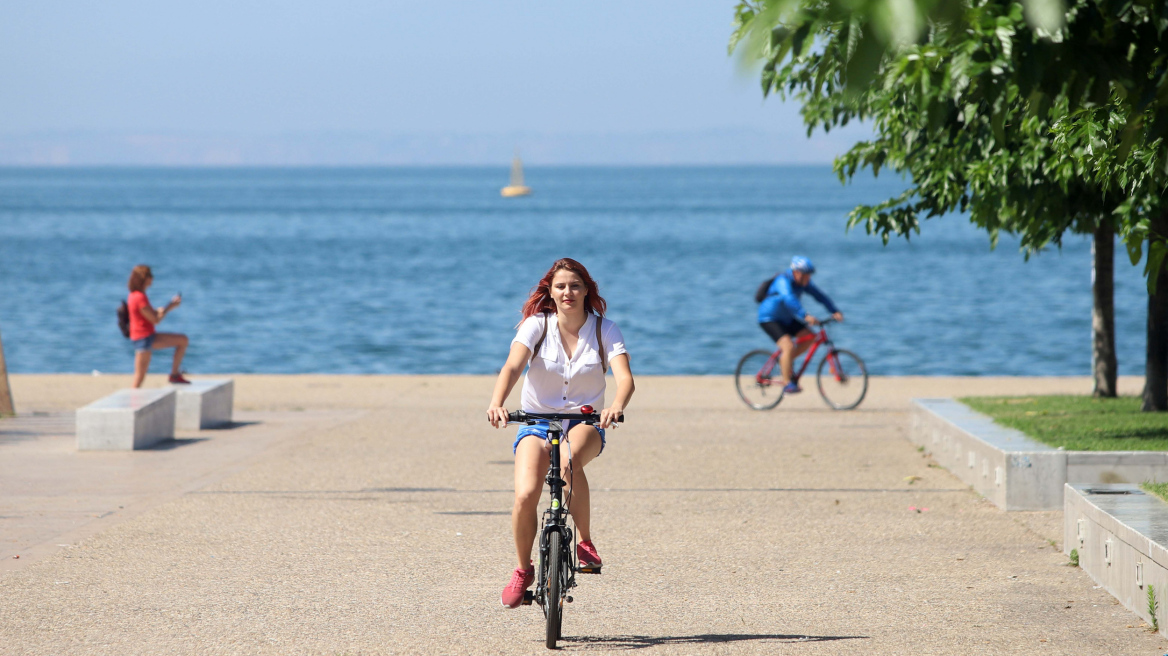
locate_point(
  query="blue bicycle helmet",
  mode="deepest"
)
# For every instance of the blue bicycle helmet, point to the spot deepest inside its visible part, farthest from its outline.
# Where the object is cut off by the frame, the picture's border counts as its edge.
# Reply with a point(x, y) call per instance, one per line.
point(800, 263)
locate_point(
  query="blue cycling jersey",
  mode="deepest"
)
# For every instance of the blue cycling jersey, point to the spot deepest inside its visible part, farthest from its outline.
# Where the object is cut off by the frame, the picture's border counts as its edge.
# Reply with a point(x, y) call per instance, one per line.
point(782, 301)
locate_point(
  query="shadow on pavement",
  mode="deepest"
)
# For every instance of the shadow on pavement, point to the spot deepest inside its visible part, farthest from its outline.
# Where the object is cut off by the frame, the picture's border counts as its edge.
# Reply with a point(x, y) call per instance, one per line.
point(167, 445)
point(19, 436)
point(641, 642)
point(233, 425)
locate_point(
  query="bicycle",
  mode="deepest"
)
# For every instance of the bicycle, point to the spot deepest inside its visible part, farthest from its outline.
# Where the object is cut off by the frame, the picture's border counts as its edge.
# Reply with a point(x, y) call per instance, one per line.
point(842, 389)
point(556, 574)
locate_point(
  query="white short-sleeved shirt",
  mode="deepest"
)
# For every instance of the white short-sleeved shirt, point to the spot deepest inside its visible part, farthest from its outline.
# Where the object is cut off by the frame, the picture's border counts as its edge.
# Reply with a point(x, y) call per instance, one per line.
point(555, 383)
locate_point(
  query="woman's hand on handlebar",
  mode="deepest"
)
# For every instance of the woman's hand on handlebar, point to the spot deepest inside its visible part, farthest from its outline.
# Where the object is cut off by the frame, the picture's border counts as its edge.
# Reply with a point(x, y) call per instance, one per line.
point(610, 415)
point(838, 316)
point(497, 415)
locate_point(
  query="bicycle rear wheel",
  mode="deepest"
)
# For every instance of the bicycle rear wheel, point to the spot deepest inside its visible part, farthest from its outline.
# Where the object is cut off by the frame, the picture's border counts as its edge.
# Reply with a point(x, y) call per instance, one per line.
point(555, 599)
point(842, 379)
point(758, 387)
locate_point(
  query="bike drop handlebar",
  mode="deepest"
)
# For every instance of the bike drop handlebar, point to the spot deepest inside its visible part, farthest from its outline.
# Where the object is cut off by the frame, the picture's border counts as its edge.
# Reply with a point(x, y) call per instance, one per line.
point(521, 417)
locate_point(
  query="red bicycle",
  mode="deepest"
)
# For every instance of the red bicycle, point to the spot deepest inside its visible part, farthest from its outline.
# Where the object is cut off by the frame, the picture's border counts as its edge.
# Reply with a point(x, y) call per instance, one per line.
point(842, 378)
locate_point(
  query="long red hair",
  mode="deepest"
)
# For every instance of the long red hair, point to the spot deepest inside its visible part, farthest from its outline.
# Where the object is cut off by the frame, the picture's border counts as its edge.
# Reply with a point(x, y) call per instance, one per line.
point(138, 278)
point(540, 299)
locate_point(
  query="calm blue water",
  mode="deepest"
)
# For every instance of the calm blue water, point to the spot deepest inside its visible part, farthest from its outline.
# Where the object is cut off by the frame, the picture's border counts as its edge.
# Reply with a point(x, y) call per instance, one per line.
point(403, 270)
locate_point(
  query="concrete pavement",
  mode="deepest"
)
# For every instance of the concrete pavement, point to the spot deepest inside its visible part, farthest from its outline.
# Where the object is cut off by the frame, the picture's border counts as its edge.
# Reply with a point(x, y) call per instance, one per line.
point(385, 529)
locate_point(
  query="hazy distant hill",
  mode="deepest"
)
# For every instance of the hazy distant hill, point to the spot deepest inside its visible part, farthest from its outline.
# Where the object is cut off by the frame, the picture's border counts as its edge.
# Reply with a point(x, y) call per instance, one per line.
point(728, 146)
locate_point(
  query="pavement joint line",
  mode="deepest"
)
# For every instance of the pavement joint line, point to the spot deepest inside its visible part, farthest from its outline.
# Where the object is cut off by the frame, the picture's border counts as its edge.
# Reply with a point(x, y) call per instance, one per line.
point(388, 490)
point(627, 642)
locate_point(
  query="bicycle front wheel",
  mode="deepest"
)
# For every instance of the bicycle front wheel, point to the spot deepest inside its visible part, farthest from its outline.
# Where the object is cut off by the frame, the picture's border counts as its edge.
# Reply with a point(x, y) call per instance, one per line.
point(555, 599)
point(758, 385)
point(842, 379)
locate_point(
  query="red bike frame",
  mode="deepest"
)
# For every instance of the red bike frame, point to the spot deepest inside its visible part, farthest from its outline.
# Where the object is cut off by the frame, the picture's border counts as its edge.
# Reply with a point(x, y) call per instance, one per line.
point(763, 377)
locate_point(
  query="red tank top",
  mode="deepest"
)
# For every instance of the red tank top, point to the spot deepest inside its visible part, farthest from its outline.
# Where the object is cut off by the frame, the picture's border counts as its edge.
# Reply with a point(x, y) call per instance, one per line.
point(139, 327)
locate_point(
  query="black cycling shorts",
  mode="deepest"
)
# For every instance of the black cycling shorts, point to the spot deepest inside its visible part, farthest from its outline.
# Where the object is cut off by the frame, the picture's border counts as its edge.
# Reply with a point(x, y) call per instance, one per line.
point(775, 330)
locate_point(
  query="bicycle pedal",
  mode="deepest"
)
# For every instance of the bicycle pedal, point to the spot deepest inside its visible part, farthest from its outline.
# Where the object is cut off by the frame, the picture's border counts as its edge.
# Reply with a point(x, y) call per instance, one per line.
point(528, 597)
point(589, 569)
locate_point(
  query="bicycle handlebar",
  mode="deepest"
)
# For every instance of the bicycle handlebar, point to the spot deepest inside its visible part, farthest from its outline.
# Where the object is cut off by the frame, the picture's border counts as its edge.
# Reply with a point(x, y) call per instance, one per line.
point(521, 417)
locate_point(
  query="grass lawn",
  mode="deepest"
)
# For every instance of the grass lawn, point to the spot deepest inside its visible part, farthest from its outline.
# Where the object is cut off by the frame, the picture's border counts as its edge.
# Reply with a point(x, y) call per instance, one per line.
point(1158, 489)
point(1079, 423)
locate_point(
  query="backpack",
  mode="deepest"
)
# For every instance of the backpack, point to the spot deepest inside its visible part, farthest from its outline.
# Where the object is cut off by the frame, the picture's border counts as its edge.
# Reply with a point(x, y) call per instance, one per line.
point(761, 293)
point(599, 342)
point(124, 319)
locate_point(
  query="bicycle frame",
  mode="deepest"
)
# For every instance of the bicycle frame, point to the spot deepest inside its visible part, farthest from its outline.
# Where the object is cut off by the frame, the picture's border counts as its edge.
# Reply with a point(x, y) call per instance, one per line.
point(555, 519)
point(764, 375)
point(817, 339)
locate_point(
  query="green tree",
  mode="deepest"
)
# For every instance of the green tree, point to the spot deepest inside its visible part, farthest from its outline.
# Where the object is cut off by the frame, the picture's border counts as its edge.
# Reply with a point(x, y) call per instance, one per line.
point(971, 109)
point(1097, 142)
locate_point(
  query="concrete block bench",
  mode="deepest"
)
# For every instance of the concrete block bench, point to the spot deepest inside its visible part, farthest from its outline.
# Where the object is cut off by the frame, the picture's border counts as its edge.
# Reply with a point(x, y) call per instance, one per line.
point(204, 404)
point(1014, 471)
point(1002, 464)
point(1120, 533)
point(127, 419)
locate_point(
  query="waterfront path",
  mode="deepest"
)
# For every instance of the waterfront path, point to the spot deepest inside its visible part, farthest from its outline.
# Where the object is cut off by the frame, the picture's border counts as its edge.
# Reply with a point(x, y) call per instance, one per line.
point(370, 515)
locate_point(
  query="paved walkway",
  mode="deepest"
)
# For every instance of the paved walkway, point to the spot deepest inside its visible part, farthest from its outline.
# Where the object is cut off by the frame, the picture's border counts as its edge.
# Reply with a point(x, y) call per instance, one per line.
point(385, 529)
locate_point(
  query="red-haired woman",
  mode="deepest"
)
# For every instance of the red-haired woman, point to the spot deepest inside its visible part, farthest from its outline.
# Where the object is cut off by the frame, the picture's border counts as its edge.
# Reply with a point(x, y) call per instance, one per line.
point(558, 336)
point(143, 318)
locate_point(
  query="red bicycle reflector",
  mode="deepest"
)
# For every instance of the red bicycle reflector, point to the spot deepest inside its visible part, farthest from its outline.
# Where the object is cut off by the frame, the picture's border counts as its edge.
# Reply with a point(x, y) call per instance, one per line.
point(586, 410)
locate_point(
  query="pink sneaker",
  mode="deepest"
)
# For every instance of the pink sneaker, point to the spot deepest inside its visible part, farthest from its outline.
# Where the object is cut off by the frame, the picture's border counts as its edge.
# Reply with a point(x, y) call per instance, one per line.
point(586, 553)
point(521, 580)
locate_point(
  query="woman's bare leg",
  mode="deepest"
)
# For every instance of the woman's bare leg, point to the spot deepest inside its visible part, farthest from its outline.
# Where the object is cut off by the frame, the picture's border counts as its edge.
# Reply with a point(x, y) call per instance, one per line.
point(141, 366)
point(585, 444)
point(531, 463)
point(176, 340)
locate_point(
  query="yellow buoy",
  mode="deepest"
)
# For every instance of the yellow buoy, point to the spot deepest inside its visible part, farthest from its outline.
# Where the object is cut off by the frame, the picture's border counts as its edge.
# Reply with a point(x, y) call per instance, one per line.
point(516, 188)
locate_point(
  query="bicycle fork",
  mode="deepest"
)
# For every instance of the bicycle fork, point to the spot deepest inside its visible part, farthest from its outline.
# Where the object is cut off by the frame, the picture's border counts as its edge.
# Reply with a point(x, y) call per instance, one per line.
point(833, 364)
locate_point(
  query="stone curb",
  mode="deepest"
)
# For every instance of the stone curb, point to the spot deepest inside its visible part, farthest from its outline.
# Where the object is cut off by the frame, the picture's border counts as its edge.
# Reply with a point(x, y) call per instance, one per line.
point(1014, 471)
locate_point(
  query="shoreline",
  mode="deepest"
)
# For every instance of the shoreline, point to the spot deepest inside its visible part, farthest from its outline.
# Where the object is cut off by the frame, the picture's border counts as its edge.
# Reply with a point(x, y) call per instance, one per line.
point(67, 392)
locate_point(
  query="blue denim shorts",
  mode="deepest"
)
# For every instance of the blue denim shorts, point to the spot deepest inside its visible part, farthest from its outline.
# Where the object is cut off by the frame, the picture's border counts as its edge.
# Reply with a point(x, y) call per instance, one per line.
point(540, 429)
point(144, 344)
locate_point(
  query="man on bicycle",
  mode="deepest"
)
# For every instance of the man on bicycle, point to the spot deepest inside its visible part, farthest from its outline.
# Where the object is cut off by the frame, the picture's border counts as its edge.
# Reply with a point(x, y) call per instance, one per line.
point(782, 317)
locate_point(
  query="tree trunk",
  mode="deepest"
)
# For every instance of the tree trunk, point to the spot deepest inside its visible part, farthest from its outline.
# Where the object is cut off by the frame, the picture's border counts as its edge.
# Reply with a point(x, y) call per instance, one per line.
point(6, 407)
point(1156, 374)
point(1103, 364)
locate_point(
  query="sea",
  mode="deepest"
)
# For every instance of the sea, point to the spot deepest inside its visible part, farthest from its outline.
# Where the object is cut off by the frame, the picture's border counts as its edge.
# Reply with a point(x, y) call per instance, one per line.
point(424, 270)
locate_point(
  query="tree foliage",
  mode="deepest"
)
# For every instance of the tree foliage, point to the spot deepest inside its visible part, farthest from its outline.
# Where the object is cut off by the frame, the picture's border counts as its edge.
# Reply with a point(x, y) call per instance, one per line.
point(1034, 118)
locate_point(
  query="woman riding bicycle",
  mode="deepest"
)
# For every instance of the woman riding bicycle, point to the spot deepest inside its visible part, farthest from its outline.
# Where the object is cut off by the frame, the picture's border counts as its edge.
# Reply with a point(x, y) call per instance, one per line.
point(568, 351)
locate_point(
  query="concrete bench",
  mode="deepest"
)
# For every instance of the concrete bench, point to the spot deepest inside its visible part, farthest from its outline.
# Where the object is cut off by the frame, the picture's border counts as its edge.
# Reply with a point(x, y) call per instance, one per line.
point(204, 404)
point(127, 419)
point(1013, 470)
point(1119, 533)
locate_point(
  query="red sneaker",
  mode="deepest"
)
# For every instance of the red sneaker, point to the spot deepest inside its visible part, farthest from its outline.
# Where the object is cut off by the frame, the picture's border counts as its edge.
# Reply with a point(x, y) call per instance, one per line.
point(586, 554)
point(521, 580)
point(178, 379)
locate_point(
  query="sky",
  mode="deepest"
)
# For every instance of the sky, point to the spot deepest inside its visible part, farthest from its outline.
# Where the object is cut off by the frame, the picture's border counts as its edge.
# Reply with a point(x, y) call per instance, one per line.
point(252, 79)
